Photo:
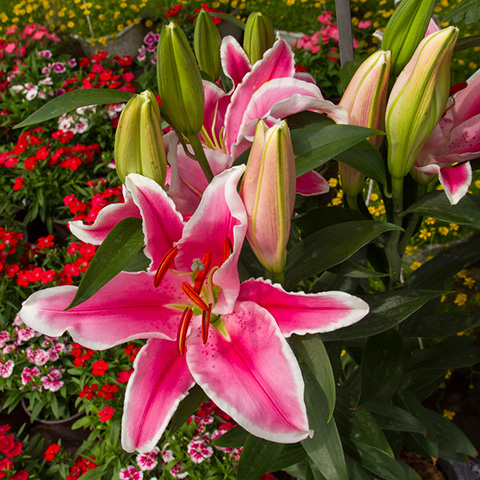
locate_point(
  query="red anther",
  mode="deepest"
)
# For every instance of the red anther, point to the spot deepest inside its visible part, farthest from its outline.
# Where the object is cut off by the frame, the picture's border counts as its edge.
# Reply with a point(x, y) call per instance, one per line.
point(183, 329)
point(193, 296)
point(457, 88)
point(206, 323)
point(165, 264)
point(201, 274)
point(227, 249)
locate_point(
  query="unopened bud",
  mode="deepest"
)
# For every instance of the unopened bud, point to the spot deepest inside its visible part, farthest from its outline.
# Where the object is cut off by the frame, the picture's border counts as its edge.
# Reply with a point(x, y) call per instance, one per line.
point(206, 42)
point(259, 36)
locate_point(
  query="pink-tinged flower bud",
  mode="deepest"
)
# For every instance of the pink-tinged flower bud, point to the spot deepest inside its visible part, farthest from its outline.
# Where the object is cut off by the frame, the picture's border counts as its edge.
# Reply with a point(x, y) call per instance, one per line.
point(206, 42)
point(268, 192)
point(179, 81)
point(259, 36)
point(365, 99)
point(418, 100)
point(405, 30)
point(138, 139)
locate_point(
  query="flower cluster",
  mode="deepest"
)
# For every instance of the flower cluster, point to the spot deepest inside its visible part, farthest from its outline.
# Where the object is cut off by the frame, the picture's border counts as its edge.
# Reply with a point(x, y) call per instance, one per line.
point(9, 449)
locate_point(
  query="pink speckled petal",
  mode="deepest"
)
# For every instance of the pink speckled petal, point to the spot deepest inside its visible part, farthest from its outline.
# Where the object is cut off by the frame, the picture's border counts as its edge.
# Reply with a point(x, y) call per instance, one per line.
point(105, 221)
point(126, 308)
point(456, 181)
point(467, 101)
point(252, 374)
point(220, 216)
point(160, 382)
point(312, 183)
point(301, 313)
point(235, 61)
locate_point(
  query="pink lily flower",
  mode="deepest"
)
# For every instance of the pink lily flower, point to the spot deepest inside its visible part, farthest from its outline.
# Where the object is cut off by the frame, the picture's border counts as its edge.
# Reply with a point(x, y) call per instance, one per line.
point(269, 90)
point(202, 325)
point(455, 140)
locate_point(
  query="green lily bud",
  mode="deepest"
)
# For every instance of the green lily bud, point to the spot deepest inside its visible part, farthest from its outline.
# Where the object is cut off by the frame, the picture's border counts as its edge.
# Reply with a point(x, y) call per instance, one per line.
point(268, 192)
point(259, 36)
point(179, 81)
point(138, 140)
point(365, 99)
point(405, 30)
point(206, 42)
point(418, 100)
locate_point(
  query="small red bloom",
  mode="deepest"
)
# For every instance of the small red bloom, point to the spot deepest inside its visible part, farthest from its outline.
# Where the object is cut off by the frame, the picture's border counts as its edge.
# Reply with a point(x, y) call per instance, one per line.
point(7, 442)
point(106, 413)
point(20, 475)
point(18, 183)
point(124, 376)
point(51, 451)
point(99, 368)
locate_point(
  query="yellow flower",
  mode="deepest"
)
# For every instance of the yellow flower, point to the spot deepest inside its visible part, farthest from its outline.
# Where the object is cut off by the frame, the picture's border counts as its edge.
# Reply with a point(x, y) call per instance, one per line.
point(460, 299)
point(336, 201)
point(373, 197)
point(469, 282)
point(120, 27)
point(448, 414)
point(333, 182)
point(344, 352)
point(448, 374)
point(430, 221)
point(70, 24)
point(477, 183)
point(454, 226)
point(415, 266)
point(443, 298)
point(148, 23)
point(443, 231)
point(425, 234)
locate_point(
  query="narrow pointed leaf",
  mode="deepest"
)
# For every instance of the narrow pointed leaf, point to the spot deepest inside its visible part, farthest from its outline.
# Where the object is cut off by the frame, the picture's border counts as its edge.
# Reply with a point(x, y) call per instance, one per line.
point(390, 417)
point(329, 247)
point(234, 438)
point(314, 354)
point(354, 270)
point(467, 11)
point(439, 325)
point(436, 205)
point(229, 18)
point(387, 310)
point(187, 407)
point(257, 456)
point(118, 249)
point(72, 100)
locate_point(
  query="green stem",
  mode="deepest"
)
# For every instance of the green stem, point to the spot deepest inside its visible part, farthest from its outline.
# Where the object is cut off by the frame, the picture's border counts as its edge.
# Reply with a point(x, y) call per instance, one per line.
point(392, 250)
point(278, 277)
point(352, 202)
point(200, 154)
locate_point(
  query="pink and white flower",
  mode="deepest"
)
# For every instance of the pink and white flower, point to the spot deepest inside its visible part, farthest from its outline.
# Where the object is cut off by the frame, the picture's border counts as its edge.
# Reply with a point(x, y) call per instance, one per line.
point(147, 461)
point(130, 473)
point(28, 374)
point(6, 368)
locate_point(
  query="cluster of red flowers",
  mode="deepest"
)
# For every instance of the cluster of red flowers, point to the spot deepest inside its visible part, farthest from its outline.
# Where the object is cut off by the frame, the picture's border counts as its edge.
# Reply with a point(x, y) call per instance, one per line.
point(88, 211)
point(81, 466)
point(131, 351)
point(172, 11)
point(101, 76)
point(51, 451)
point(10, 448)
point(208, 8)
point(107, 391)
point(81, 354)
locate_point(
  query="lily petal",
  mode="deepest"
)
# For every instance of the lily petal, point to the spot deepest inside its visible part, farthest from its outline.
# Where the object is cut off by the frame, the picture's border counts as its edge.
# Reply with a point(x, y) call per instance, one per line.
point(235, 61)
point(456, 181)
point(312, 183)
point(301, 313)
point(252, 374)
point(161, 380)
point(126, 308)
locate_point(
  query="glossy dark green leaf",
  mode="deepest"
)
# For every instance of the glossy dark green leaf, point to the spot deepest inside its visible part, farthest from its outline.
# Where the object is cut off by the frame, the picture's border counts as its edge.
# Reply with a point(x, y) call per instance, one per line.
point(329, 247)
point(257, 456)
point(290, 455)
point(390, 417)
point(381, 365)
point(118, 249)
point(467, 11)
point(434, 273)
point(355, 470)
point(139, 263)
point(367, 432)
point(72, 100)
point(467, 42)
point(436, 204)
point(381, 464)
point(440, 325)
point(387, 310)
point(423, 382)
point(234, 438)
point(314, 354)
point(187, 408)
point(454, 352)
point(325, 448)
point(354, 270)
point(315, 145)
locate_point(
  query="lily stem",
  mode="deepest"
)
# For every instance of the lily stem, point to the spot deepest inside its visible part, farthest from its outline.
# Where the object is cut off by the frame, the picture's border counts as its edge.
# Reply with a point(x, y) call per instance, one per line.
point(392, 250)
point(414, 218)
point(278, 277)
point(194, 140)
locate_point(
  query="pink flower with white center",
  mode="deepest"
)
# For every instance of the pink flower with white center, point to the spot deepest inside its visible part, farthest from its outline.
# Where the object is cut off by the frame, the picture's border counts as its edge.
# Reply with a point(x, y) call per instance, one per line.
point(30, 91)
point(177, 471)
point(199, 451)
point(4, 338)
point(72, 62)
point(45, 53)
point(28, 374)
point(9, 348)
point(40, 357)
point(6, 368)
point(130, 473)
point(58, 67)
point(167, 455)
point(56, 373)
point(24, 334)
point(147, 461)
point(202, 325)
point(51, 383)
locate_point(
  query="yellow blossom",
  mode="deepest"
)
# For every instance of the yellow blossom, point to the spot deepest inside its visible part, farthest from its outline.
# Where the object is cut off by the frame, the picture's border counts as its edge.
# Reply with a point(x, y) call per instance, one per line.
point(453, 226)
point(448, 374)
point(469, 282)
point(425, 234)
point(448, 414)
point(333, 182)
point(477, 183)
point(373, 197)
point(148, 23)
point(415, 266)
point(430, 221)
point(443, 231)
point(460, 299)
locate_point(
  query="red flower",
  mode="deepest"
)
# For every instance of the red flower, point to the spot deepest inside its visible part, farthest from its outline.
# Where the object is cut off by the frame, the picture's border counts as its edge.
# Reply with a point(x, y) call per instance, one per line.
point(5, 464)
point(88, 392)
point(23, 278)
point(6, 443)
point(99, 368)
point(18, 183)
point(20, 475)
point(106, 413)
point(107, 391)
point(16, 450)
point(4, 429)
point(51, 451)
point(44, 242)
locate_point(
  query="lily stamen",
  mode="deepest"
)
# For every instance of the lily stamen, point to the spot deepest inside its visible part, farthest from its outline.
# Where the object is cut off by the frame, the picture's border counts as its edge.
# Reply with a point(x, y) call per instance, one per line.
point(206, 323)
point(183, 329)
point(194, 296)
point(164, 266)
point(201, 274)
point(227, 249)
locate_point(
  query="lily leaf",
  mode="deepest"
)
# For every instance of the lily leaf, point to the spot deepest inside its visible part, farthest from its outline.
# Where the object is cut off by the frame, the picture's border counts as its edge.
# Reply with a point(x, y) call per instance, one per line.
point(257, 456)
point(118, 249)
point(329, 247)
point(439, 325)
point(390, 417)
point(72, 100)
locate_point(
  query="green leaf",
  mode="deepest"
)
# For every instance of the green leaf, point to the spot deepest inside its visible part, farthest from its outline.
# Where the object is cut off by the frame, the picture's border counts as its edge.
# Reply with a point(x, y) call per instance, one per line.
point(329, 247)
point(314, 354)
point(316, 144)
point(325, 448)
point(93, 474)
point(436, 204)
point(387, 310)
point(234, 438)
point(290, 455)
point(83, 422)
point(229, 18)
point(390, 417)
point(381, 365)
point(139, 263)
point(454, 352)
point(257, 456)
point(367, 432)
point(354, 270)
point(187, 408)
point(439, 325)
point(467, 11)
point(72, 100)
point(382, 465)
point(118, 249)
point(464, 43)
point(435, 272)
